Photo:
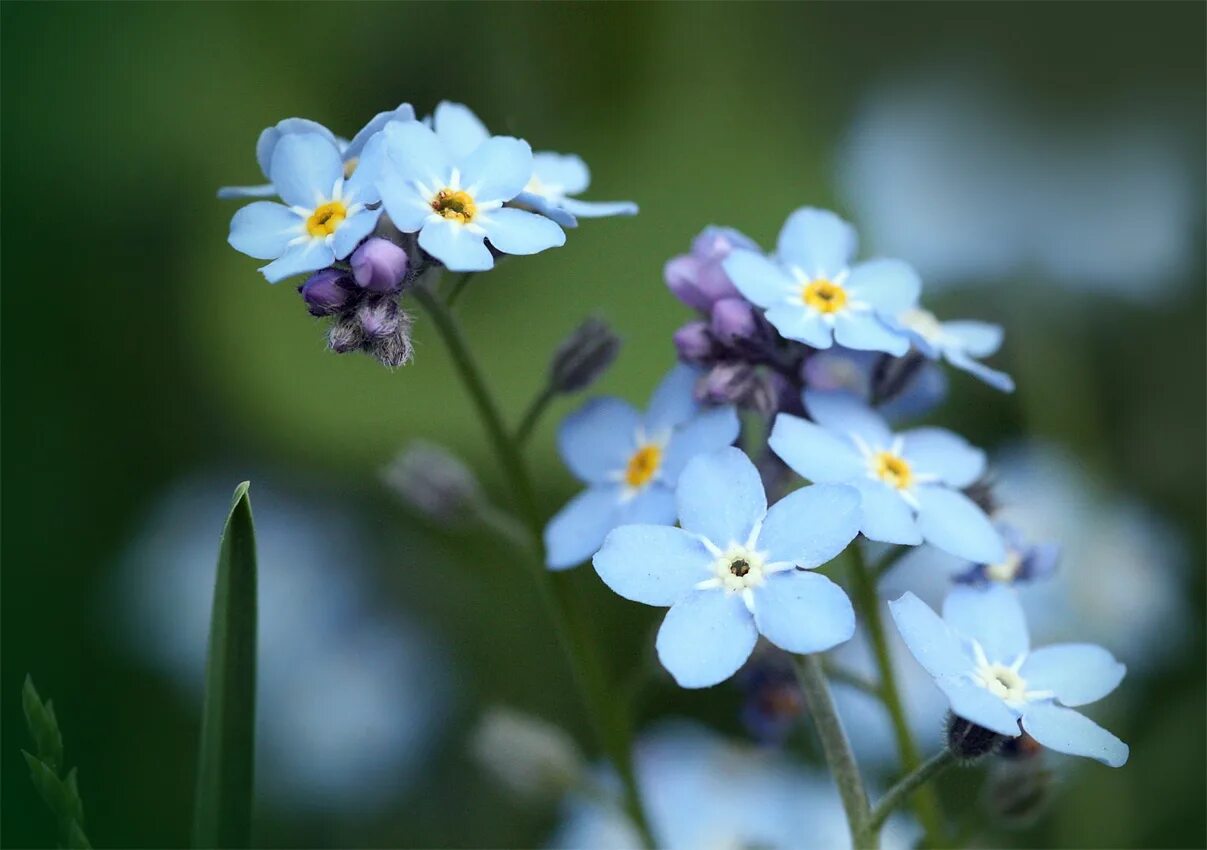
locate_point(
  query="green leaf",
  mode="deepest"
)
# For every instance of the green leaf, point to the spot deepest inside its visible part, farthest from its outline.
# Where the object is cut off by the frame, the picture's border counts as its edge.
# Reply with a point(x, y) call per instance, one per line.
point(62, 798)
point(226, 762)
point(43, 726)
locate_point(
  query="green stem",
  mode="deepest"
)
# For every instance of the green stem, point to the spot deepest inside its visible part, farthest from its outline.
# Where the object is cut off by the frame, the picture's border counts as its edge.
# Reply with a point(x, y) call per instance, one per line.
point(533, 414)
point(608, 718)
point(849, 677)
point(926, 802)
point(907, 785)
point(457, 289)
point(837, 748)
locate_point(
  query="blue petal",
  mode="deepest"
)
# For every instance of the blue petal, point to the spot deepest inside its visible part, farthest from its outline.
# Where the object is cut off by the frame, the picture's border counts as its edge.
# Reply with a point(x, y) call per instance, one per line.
point(361, 186)
point(597, 440)
point(1066, 731)
point(953, 522)
point(409, 209)
point(890, 286)
point(930, 640)
point(845, 413)
point(976, 339)
point(597, 209)
point(549, 208)
point(653, 504)
point(935, 451)
point(974, 703)
point(992, 377)
point(652, 564)
point(577, 531)
point(264, 229)
point(1077, 673)
point(415, 154)
point(266, 145)
point(309, 256)
point(673, 401)
point(817, 241)
point(515, 231)
point(498, 170)
point(460, 131)
point(920, 396)
point(759, 279)
point(352, 230)
point(884, 514)
point(813, 452)
point(811, 525)
point(862, 331)
point(721, 497)
point(305, 168)
point(228, 192)
point(803, 612)
point(706, 636)
point(564, 174)
point(453, 244)
point(711, 430)
point(795, 322)
point(992, 617)
point(404, 112)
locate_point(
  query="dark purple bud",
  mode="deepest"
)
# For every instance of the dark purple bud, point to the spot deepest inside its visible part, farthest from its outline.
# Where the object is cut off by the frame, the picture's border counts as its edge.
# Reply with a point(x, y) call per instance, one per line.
point(378, 318)
point(734, 321)
point(583, 356)
point(379, 265)
point(695, 343)
point(970, 742)
point(328, 291)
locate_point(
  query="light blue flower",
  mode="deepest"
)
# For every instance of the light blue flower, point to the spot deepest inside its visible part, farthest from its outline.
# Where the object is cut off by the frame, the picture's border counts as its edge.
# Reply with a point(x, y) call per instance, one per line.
point(910, 482)
point(324, 217)
point(455, 202)
point(812, 293)
point(960, 343)
point(915, 389)
point(980, 656)
point(350, 152)
point(1024, 562)
point(735, 569)
point(631, 463)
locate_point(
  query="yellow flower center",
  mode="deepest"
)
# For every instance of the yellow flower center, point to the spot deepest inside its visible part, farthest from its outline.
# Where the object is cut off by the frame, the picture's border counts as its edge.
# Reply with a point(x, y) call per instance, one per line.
point(642, 465)
point(892, 470)
point(1007, 569)
point(324, 220)
point(824, 296)
point(455, 205)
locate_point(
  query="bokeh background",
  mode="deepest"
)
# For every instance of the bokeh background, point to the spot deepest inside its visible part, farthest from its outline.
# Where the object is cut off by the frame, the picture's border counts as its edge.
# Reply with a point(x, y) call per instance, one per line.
point(1042, 165)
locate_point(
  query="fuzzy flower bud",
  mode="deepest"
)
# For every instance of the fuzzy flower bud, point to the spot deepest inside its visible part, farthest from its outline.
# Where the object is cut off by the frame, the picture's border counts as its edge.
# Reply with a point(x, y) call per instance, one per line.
point(1017, 793)
point(328, 291)
point(583, 357)
point(969, 741)
point(378, 317)
point(740, 384)
point(698, 279)
point(395, 349)
point(695, 343)
point(531, 758)
point(734, 321)
point(379, 265)
point(346, 335)
point(434, 482)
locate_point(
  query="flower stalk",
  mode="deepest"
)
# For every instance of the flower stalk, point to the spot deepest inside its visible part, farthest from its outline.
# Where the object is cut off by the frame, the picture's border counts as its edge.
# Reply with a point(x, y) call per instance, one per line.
point(907, 785)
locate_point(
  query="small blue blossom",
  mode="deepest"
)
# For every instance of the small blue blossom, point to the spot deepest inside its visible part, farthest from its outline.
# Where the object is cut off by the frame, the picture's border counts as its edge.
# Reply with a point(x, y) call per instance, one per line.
point(913, 389)
point(980, 657)
point(735, 569)
point(812, 293)
point(961, 344)
point(910, 482)
point(631, 463)
point(1024, 561)
point(324, 217)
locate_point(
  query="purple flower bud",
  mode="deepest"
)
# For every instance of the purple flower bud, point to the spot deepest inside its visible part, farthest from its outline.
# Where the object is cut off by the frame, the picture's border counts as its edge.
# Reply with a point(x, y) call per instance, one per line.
point(715, 243)
point(583, 357)
point(378, 318)
point(695, 343)
point(328, 291)
point(379, 265)
point(738, 383)
point(734, 321)
point(698, 279)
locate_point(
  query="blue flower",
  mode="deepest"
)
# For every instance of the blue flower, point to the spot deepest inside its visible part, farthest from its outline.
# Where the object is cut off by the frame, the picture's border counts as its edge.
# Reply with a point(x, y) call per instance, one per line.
point(1024, 561)
point(350, 152)
point(961, 344)
point(910, 482)
point(903, 387)
point(455, 200)
point(735, 569)
point(631, 463)
point(324, 216)
point(812, 294)
point(980, 657)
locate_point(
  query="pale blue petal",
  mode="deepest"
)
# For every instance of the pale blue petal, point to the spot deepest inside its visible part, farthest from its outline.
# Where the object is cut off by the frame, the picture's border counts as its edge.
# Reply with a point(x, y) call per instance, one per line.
point(264, 229)
point(1067, 731)
point(229, 192)
point(713, 429)
point(846, 413)
point(460, 131)
point(953, 522)
point(884, 514)
point(992, 617)
point(577, 531)
point(817, 241)
point(1077, 673)
point(920, 396)
point(706, 636)
point(803, 612)
point(813, 452)
point(515, 231)
point(994, 378)
point(453, 244)
point(598, 439)
point(935, 451)
point(652, 564)
point(352, 230)
point(976, 339)
point(598, 209)
point(975, 704)
point(267, 143)
point(653, 504)
point(796, 322)
point(409, 209)
point(721, 497)
point(930, 640)
point(546, 207)
point(498, 170)
point(361, 186)
point(673, 401)
point(890, 286)
point(305, 168)
point(811, 525)
point(415, 154)
point(862, 331)
point(759, 279)
point(309, 256)
point(404, 112)
point(561, 174)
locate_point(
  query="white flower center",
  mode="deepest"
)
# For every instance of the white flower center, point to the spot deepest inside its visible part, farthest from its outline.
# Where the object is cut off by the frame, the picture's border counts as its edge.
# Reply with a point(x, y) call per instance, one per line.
point(1004, 680)
point(740, 568)
point(1005, 571)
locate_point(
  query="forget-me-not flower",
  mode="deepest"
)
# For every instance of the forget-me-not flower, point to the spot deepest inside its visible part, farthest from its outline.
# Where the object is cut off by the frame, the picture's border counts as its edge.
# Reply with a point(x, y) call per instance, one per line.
point(324, 217)
point(960, 343)
point(735, 570)
point(811, 293)
point(1024, 562)
point(980, 656)
point(910, 482)
point(631, 462)
point(901, 389)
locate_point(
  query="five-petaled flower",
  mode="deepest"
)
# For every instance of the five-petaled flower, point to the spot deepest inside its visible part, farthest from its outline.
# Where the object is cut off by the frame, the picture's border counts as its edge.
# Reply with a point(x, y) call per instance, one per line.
point(735, 570)
point(960, 343)
point(910, 482)
point(631, 462)
point(980, 657)
point(811, 293)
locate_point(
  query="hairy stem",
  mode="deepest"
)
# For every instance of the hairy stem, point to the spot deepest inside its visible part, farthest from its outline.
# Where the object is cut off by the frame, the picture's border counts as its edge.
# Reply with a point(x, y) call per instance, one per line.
point(907, 785)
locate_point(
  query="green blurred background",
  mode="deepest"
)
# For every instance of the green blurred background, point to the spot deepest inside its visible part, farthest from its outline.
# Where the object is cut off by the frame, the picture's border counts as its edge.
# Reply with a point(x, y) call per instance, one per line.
point(139, 349)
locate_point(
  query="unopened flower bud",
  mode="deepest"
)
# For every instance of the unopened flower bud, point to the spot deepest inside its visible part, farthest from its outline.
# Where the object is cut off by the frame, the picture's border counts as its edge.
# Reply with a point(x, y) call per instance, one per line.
point(531, 758)
point(434, 482)
point(394, 350)
point(583, 357)
point(346, 335)
point(968, 741)
point(379, 265)
point(740, 384)
point(1016, 793)
point(378, 317)
point(981, 493)
point(734, 321)
point(698, 279)
point(328, 291)
point(695, 343)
